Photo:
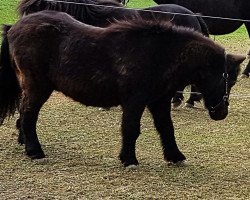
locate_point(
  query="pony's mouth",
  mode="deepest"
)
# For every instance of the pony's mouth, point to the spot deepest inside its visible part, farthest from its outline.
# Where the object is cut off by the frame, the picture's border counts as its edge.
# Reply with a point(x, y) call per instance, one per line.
point(220, 113)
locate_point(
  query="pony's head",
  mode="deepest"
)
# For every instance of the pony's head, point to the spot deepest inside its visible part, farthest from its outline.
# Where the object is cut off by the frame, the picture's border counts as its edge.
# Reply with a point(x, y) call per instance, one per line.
point(217, 83)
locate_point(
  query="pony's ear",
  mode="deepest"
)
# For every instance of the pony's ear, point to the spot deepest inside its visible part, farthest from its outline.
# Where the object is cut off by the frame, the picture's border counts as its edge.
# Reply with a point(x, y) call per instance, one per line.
point(235, 59)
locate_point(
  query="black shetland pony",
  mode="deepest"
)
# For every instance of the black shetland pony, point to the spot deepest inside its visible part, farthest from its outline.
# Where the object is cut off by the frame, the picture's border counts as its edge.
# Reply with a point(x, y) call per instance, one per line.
point(103, 12)
point(106, 67)
point(239, 9)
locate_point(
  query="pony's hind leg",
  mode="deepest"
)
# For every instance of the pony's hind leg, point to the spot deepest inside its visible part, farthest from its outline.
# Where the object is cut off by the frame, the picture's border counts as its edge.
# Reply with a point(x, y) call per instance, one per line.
point(160, 111)
point(31, 103)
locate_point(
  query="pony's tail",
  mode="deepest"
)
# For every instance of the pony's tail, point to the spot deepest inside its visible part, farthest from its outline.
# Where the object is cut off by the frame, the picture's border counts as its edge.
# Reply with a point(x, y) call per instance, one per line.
point(9, 86)
point(204, 28)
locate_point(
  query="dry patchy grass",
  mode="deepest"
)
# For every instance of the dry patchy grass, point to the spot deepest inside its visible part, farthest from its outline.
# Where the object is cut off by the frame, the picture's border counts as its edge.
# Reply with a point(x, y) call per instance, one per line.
point(82, 144)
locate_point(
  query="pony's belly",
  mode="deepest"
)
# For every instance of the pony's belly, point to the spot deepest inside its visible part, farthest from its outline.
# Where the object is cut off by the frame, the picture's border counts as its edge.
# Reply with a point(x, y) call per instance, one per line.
point(95, 98)
point(90, 92)
point(98, 101)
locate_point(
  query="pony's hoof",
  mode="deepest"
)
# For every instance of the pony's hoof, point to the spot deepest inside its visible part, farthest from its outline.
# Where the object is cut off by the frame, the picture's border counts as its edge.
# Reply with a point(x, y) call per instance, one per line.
point(132, 167)
point(104, 109)
point(244, 76)
point(128, 161)
point(20, 140)
point(35, 154)
point(188, 105)
point(175, 157)
point(41, 161)
point(178, 164)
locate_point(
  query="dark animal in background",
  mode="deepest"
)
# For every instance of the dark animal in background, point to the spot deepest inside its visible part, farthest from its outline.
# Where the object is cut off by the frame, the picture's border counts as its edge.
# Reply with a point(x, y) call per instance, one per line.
point(237, 9)
point(106, 67)
point(92, 12)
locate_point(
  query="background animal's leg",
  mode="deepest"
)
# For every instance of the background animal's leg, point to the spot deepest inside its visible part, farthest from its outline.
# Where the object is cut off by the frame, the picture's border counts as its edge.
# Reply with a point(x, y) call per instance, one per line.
point(178, 97)
point(31, 104)
point(194, 96)
point(131, 117)
point(160, 111)
point(246, 71)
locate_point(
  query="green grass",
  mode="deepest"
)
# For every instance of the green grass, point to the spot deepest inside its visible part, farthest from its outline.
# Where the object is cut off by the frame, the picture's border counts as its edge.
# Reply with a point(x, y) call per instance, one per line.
point(8, 14)
point(140, 4)
point(82, 144)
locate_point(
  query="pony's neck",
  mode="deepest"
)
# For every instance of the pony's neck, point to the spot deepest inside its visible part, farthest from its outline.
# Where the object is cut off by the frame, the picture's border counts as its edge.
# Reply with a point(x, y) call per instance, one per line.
point(191, 62)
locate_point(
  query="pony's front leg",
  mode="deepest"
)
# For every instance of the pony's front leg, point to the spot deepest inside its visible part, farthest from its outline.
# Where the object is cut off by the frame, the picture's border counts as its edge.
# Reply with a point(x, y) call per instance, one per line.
point(161, 112)
point(130, 132)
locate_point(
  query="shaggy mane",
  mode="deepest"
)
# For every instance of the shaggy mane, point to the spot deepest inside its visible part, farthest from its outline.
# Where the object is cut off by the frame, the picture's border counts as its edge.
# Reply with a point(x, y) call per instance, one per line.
point(150, 27)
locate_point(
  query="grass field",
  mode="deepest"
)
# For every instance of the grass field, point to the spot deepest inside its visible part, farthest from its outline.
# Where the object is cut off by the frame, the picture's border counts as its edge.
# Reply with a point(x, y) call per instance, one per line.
point(82, 144)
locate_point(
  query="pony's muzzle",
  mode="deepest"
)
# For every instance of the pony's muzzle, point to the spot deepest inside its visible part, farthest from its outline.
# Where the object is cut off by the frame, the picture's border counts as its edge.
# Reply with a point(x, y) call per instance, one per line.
point(220, 112)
